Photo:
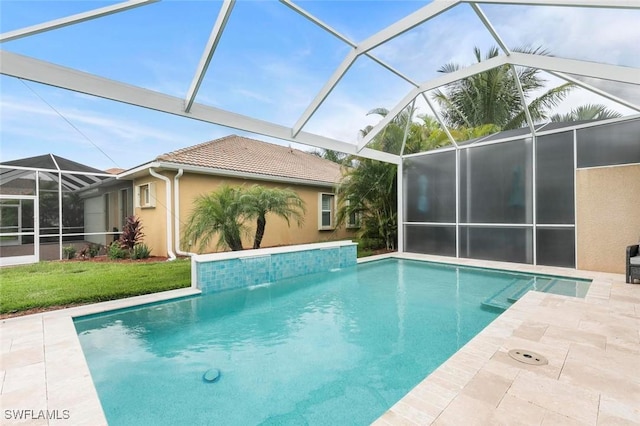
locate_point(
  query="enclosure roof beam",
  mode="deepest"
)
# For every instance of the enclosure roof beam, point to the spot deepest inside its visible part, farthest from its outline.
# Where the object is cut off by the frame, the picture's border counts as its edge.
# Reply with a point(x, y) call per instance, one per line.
point(405, 24)
point(487, 24)
point(440, 120)
point(42, 169)
point(10, 175)
point(344, 39)
point(212, 43)
point(432, 84)
point(73, 19)
point(325, 91)
point(93, 179)
point(416, 18)
point(296, 8)
point(31, 69)
point(523, 100)
point(595, 90)
point(574, 66)
point(605, 4)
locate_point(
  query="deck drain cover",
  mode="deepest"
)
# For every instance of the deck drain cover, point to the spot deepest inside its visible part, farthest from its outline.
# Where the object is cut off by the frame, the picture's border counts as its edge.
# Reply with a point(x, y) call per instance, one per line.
point(528, 357)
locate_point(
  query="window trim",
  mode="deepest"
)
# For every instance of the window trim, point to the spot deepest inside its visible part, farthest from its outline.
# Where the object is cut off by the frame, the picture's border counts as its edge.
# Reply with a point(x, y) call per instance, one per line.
point(332, 212)
point(148, 188)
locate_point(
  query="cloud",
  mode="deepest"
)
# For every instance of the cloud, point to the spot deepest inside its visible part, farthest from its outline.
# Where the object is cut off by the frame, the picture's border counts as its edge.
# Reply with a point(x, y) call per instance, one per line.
point(126, 141)
point(601, 35)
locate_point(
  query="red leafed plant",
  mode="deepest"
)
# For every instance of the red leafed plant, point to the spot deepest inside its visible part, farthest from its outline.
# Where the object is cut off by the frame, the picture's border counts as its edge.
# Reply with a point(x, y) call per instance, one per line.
point(131, 232)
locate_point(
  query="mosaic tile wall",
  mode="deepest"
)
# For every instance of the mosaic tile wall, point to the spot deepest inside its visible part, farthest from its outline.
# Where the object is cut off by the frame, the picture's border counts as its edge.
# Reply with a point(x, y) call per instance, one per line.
point(218, 275)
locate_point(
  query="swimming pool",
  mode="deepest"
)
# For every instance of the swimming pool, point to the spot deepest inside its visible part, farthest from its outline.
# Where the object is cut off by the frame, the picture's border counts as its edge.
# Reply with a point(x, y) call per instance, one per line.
point(338, 347)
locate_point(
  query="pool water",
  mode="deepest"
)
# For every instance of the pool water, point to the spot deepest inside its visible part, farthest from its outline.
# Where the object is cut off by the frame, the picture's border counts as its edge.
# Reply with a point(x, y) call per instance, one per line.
point(331, 348)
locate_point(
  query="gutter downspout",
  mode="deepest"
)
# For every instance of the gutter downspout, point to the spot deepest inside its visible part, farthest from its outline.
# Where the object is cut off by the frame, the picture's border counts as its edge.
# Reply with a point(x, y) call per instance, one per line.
point(176, 212)
point(153, 173)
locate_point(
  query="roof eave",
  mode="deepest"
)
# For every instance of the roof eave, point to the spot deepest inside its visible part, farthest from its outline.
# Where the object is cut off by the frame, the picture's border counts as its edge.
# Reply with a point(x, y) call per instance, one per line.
point(242, 175)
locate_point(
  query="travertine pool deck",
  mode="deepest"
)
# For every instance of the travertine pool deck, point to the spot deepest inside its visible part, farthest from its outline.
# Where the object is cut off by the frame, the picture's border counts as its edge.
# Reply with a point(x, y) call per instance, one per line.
point(593, 375)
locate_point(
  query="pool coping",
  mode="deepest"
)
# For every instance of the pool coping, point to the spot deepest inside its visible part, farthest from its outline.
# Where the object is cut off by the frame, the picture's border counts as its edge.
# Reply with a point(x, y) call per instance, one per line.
point(593, 347)
point(43, 366)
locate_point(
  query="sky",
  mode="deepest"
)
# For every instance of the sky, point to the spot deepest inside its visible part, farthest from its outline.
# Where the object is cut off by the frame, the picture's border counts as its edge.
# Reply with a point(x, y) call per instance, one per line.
point(270, 64)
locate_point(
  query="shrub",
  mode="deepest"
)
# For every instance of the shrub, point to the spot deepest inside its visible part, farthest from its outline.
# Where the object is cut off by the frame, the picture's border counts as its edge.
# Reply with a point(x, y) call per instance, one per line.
point(131, 233)
point(116, 251)
point(140, 251)
point(90, 250)
point(69, 252)
point(84, 252)
point(94, 249)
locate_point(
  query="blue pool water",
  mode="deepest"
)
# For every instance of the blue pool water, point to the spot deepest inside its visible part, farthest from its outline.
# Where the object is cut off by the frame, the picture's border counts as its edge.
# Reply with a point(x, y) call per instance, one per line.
point(331, 348)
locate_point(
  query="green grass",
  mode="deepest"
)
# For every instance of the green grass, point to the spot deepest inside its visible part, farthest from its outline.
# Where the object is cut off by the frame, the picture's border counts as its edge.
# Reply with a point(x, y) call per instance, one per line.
point(48, 284)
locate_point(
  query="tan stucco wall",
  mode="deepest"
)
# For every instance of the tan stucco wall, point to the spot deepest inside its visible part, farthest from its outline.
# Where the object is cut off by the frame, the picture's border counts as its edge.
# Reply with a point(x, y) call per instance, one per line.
point(153, 219)
point(277, 231)
point(607, 216)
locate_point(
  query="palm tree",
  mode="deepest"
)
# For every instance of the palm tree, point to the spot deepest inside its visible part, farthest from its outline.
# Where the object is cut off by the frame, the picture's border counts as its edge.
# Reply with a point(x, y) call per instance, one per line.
point(218, 212)
point(492, 97)
point(331, 155)
point(369, 190)
point(257, 201)
point(391, 137)
point(586, 112)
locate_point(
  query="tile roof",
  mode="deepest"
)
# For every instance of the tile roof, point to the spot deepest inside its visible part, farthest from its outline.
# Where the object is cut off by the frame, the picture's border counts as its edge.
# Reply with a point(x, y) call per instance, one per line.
point(237, 153)
point(115, 170)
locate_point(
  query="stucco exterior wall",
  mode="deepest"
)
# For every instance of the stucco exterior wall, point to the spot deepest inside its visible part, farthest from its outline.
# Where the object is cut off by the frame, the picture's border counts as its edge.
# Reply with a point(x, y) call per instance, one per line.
point(607, 216)
point(277, 231)
point(153, 219)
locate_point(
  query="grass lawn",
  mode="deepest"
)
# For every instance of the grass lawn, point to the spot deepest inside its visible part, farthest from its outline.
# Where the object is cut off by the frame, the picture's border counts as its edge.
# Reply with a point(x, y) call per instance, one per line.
point(48, 284)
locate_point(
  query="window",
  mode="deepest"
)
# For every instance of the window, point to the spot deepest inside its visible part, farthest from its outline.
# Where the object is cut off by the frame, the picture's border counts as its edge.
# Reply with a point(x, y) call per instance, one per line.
point(146, 195)
point(353, 220)
point(327, 209)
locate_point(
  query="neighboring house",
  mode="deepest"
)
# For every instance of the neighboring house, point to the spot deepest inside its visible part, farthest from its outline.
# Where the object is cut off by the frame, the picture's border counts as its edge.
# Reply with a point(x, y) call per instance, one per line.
point(164, 190)
point(55, 201)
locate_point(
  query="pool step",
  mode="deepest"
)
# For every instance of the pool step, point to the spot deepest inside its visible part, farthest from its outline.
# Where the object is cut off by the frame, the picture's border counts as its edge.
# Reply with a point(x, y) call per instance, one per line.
point(539, 284)
point(503, 298)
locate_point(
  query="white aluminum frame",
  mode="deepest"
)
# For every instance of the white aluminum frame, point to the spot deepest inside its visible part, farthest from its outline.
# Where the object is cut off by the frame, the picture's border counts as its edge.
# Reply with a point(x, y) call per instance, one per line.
point(46, 73)
point(32, 69)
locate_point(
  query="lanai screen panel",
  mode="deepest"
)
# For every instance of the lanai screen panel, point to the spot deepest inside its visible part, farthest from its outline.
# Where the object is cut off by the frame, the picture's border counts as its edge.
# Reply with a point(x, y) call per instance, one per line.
point(496, 183)
point(496, 193)
point(617, 143)
point(430, 203)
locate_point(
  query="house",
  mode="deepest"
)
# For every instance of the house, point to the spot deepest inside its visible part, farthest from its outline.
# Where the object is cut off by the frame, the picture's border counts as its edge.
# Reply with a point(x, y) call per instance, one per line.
point(164, 190)
point(48, 202)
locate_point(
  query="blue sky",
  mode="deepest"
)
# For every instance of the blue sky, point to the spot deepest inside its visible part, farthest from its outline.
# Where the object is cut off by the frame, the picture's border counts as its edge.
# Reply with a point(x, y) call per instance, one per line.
point(270, 64)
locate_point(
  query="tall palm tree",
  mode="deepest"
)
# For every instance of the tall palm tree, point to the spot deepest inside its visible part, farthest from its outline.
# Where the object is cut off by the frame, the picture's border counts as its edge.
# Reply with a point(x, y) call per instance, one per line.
point(369, 191)
point(257, 201)
point(216, 213)
point(492, 97)
point(586, 112)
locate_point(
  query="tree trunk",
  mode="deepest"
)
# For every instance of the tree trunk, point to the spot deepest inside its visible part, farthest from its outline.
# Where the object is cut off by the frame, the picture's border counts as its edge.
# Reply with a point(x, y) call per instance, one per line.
point(233, 240)
point(260, 226)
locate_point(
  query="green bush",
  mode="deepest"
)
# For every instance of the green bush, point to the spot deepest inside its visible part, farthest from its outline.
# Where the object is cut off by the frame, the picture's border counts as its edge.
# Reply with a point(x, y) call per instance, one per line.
point(94, 249)
point(90, 250)
point(140, 251)
point(116, 251)
point(69, 252)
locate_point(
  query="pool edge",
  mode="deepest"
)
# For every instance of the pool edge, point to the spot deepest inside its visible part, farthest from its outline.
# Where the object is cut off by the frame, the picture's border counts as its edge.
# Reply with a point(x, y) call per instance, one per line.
point(60, 377)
